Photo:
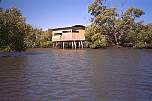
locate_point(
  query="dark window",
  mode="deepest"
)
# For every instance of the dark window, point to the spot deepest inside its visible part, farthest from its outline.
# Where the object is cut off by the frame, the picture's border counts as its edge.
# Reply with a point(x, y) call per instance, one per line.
point(57, 33)
point(66, 31)
point(75, 31)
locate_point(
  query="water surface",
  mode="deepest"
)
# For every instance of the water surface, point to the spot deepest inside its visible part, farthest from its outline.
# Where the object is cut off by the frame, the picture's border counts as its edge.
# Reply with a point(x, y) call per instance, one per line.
point(77, 75)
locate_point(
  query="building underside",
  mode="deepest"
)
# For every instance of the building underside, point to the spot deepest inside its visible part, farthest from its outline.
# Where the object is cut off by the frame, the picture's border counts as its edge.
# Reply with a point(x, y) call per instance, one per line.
point(69, 44)
point(69, 37)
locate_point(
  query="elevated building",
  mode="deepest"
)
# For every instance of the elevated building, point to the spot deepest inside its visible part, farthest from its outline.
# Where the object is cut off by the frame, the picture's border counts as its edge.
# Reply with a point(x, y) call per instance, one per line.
point(71, 36)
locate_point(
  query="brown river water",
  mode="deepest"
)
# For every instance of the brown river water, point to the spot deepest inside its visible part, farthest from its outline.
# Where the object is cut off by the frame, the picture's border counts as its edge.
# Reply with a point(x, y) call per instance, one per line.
point(77, 75)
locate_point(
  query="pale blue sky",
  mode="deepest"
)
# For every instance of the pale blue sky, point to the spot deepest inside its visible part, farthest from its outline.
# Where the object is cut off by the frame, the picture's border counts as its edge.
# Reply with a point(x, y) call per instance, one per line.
point(57, 13)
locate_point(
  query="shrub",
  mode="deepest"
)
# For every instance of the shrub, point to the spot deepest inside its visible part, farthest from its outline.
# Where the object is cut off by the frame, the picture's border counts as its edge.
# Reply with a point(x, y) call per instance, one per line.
point(139, 45)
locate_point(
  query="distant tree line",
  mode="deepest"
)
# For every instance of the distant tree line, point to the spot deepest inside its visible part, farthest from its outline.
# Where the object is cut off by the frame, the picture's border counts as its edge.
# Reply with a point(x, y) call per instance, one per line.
point(108, 28)
point(17, 35)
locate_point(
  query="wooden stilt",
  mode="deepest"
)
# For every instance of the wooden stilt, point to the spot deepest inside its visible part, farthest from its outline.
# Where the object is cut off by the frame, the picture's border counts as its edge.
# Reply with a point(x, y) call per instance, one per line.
point(60, 44)
point(75, 44)
point(63, 44)
point(72, 44)
point(53, 45)
point(56, 44)
point(79, 45)
point(68, 44)
point(82, 44)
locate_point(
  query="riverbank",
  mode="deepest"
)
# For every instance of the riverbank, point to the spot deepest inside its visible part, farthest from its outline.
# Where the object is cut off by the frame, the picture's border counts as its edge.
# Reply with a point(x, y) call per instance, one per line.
point(30, 50)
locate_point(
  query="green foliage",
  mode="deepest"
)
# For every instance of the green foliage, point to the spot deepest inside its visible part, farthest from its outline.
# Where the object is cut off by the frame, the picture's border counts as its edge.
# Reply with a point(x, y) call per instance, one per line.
point(119, 29)
point(94, 38)
point(139, 45)
point(134, 12)
point(143, 37)
point(38, 38)
point(17, 35)
point(100, 42)
point(12, 30)
point(104, 18)
point(46, 44)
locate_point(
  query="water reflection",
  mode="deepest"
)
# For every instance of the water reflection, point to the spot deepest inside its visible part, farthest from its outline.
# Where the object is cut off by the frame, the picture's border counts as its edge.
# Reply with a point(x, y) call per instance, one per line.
point(77, 75)
point(12, 81)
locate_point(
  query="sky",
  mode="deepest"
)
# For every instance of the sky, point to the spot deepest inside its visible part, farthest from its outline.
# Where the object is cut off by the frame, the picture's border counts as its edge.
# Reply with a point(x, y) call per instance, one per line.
point(61, 13)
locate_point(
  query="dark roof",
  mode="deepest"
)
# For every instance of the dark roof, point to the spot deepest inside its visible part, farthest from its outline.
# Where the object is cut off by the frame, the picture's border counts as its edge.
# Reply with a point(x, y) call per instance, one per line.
point(73, 27)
